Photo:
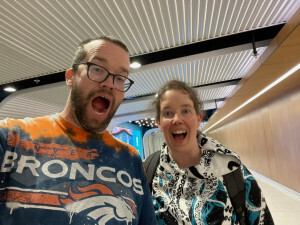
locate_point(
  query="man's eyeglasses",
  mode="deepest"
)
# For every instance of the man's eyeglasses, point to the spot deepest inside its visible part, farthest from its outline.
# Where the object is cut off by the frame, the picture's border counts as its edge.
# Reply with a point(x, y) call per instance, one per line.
point(100, 74)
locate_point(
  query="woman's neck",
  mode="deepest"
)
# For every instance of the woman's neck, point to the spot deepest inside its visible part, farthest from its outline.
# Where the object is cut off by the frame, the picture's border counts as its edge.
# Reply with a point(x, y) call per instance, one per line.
point(187, 158)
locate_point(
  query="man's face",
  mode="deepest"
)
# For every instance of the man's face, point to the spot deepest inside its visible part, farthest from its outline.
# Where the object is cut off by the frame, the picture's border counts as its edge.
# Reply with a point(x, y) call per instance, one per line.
point(94, 104)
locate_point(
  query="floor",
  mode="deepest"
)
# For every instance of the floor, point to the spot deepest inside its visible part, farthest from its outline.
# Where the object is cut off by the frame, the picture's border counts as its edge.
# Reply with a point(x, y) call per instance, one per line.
point(283, 203)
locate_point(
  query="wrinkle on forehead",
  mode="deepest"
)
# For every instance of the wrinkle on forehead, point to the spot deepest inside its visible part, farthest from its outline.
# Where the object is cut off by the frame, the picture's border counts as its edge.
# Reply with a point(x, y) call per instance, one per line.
point(93, 48)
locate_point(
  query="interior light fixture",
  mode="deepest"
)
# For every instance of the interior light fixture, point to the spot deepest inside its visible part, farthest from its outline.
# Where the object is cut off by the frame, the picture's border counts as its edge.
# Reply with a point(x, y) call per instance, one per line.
point(284, 76)
point(9, 89)
point(135, 65)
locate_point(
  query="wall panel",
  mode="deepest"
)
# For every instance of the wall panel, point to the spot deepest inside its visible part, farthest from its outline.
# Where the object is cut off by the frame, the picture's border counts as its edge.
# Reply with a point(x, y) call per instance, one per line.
point(268, 139)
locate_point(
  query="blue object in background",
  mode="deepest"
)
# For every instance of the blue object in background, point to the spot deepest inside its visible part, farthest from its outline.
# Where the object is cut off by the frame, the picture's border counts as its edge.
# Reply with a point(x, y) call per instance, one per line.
point(129, 136)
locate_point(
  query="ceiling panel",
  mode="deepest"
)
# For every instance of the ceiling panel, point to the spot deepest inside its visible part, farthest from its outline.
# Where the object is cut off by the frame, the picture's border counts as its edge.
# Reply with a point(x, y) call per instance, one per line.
point(39, 38)
point(44, 34)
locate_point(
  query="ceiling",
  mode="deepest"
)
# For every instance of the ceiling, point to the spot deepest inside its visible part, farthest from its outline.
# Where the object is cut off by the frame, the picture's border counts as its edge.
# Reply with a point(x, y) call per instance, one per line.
point(276, 74)
point(208, 43)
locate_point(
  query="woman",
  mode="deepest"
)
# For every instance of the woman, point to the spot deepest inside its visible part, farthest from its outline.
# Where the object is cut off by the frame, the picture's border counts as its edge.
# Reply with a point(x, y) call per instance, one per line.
point(188, 185)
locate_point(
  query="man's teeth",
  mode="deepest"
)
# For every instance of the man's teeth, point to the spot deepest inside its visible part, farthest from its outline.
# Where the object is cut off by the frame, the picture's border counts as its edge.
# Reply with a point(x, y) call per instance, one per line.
point(100, 113)
point(179, 132)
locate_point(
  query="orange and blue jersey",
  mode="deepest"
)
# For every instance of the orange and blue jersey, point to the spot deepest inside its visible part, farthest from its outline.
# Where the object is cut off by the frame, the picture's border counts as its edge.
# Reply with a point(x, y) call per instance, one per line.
point(52, 172)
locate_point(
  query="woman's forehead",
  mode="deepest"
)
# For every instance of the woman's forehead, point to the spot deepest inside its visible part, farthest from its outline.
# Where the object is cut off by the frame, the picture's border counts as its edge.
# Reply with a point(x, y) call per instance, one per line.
point(174, 93)
point(176, 97)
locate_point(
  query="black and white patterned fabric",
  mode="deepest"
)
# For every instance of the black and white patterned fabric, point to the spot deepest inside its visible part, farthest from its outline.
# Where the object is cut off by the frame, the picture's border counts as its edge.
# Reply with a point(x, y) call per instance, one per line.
point(197, 195)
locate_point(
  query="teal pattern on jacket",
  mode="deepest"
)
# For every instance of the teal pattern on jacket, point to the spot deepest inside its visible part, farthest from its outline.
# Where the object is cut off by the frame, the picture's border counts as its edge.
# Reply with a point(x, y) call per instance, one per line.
point(180, 197)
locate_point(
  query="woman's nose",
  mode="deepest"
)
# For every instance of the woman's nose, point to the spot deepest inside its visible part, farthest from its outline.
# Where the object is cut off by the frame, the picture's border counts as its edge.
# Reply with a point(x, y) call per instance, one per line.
point(177, 119)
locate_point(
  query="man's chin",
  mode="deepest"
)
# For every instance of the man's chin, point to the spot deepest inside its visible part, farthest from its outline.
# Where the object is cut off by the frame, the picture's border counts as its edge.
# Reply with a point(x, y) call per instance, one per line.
point(96, 126)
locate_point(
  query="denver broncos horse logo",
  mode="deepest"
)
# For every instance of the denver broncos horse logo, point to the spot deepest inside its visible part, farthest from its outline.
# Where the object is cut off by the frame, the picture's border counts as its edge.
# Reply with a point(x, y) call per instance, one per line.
point(100, 204)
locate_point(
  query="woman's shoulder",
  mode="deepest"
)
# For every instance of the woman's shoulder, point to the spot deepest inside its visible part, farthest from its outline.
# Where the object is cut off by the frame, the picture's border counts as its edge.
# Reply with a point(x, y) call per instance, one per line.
point(217, 158)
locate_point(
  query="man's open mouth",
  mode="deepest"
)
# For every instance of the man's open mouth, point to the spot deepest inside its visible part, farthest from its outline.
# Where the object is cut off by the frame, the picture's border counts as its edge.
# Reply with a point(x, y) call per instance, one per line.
point(100, 104)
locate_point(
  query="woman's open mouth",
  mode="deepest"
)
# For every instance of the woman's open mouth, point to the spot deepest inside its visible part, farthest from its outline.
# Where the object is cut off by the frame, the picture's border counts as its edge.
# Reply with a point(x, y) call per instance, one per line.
point(179, 135)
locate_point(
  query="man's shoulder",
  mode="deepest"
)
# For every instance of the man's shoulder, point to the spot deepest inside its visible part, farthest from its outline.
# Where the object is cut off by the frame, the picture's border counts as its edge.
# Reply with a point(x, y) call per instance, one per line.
point(27, 121)
point(119, 145)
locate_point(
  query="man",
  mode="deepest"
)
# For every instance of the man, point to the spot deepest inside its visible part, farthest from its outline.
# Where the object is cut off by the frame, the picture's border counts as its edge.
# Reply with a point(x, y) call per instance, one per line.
point(66, 168)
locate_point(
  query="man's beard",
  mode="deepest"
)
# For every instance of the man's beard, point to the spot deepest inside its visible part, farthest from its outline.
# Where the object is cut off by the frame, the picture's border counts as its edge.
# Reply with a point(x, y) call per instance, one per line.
point(79, 105)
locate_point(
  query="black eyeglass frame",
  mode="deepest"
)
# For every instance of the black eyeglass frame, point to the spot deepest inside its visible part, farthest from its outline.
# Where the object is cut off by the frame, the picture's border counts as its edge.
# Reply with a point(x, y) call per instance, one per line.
point(89, 64)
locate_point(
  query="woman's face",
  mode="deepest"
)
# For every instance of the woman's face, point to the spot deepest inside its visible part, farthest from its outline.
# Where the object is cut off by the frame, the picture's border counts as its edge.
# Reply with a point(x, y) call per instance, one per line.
point(178, 120)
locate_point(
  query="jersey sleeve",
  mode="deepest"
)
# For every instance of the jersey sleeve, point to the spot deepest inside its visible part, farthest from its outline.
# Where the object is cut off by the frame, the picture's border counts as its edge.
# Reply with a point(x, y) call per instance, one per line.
point(147, 215)
point(3, 140)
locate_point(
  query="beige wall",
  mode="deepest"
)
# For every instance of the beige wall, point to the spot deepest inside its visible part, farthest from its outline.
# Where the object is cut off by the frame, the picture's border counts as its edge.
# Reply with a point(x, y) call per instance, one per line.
point(268, 139)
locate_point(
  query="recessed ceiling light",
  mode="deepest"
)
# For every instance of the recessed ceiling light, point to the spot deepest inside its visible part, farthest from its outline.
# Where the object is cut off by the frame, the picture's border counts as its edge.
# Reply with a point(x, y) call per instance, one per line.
point(9, 89)
point(135, 65)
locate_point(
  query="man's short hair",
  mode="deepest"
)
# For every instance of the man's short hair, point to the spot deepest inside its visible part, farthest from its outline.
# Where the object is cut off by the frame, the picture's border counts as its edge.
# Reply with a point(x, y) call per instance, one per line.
point(80, 52)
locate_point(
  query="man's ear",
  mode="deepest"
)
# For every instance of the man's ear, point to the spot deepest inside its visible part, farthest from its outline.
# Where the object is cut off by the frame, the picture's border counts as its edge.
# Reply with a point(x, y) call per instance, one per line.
point(69, 77)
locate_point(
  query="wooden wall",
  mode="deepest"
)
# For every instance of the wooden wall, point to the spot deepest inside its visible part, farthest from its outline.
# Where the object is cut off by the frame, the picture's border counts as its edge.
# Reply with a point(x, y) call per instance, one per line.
point(268, 139)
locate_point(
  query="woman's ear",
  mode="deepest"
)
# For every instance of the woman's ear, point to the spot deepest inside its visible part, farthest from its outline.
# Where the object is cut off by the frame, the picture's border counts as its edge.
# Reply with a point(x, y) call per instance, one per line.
point(200, 116)
point(158, 124)
point(69, 77)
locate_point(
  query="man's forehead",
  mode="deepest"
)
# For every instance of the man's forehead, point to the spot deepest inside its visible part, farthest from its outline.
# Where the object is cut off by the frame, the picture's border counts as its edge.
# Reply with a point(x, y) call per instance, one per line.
point(92, 48)
point(107, 52)
point(94, 45)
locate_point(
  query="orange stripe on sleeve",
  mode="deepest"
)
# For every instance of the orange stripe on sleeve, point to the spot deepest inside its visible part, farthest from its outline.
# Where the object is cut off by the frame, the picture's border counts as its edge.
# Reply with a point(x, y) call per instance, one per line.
point(31, 198)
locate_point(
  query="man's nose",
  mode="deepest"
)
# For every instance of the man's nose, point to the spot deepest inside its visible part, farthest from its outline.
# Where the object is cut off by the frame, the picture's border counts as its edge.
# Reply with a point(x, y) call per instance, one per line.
point(108, 82)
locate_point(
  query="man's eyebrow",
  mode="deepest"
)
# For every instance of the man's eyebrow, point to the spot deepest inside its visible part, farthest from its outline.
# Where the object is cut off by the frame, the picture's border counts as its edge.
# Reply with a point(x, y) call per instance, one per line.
point(104, 60)
point(100, 59)
point(124, 70)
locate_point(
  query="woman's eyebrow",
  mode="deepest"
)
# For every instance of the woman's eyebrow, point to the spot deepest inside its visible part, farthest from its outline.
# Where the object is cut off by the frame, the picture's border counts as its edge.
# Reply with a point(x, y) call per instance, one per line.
point(165, 107)
point(187, 105)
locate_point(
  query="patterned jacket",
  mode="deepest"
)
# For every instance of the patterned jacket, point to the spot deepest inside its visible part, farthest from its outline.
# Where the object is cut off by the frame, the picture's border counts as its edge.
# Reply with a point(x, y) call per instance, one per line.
point(181, 197)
